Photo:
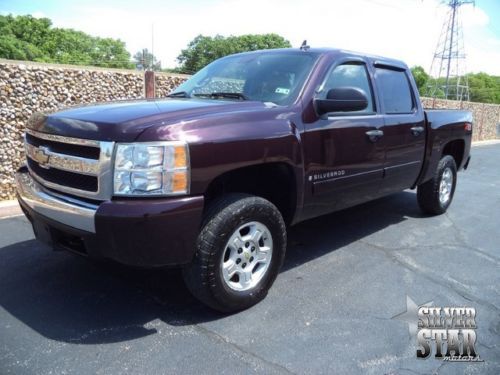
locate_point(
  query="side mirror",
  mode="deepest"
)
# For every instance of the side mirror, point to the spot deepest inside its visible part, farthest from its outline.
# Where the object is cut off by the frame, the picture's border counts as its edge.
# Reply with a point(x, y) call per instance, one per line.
point(342, 99)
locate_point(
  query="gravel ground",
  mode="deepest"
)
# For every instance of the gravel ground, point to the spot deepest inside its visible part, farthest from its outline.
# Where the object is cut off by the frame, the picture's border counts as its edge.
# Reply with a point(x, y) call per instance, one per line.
point(332, 309)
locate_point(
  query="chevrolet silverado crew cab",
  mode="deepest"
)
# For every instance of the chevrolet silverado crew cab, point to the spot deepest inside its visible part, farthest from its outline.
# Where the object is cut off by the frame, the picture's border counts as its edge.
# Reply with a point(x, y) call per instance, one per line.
point(210, 178)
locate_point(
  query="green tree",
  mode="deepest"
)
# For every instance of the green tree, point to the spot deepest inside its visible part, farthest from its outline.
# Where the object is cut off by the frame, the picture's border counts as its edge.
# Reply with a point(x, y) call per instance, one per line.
point(26, 28)
point(202, 50)
point(110, 53)
point(34, 39)
point(15, 49)
point(146, 60)
point(484, 88)
point(421, 79)
point(67, 46)
point(20, 35)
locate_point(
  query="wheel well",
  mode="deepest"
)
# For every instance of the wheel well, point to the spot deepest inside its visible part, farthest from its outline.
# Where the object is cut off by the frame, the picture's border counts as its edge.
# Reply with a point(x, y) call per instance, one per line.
point(273, 181)
point(456, 149)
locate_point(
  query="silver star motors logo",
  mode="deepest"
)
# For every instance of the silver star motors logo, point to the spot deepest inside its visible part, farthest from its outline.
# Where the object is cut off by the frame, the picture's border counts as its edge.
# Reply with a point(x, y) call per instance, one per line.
point(410, 316)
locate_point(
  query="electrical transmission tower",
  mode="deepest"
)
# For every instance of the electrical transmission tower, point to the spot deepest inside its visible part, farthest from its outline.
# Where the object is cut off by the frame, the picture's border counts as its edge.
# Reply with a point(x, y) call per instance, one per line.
point(448, 67)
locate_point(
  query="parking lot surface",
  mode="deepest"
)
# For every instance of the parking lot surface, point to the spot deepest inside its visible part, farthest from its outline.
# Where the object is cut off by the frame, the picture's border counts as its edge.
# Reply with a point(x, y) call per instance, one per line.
point(337, 307)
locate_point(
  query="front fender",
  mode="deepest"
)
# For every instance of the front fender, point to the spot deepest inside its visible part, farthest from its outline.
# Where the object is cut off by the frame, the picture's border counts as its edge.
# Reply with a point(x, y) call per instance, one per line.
point(244, 145)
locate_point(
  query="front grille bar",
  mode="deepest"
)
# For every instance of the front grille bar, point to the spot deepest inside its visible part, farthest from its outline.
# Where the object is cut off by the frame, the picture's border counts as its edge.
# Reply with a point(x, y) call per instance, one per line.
point(45, 158)
point(48, 159)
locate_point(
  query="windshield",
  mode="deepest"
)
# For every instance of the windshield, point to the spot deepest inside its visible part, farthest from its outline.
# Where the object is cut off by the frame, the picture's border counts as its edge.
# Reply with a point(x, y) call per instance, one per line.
point(267, 77)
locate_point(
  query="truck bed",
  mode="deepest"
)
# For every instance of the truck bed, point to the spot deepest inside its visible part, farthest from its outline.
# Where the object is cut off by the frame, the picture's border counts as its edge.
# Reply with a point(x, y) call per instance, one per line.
point(440, 117)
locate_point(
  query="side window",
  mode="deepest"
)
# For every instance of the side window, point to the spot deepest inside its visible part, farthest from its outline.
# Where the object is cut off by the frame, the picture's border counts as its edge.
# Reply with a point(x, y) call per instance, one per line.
point(350, 75)
point(395, 89)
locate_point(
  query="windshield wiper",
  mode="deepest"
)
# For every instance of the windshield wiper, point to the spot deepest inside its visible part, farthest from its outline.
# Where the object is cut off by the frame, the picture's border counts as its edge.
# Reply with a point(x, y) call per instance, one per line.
point(179, 94)
point(229, 95)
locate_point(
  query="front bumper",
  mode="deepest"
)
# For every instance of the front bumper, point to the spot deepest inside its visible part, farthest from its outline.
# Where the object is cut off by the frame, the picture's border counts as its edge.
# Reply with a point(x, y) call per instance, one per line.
point(139, 232)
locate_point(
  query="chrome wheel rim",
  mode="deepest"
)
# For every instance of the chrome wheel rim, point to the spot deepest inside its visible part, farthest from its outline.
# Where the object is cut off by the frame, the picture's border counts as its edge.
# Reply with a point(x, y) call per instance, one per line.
point(247, 256)
point(446, 186)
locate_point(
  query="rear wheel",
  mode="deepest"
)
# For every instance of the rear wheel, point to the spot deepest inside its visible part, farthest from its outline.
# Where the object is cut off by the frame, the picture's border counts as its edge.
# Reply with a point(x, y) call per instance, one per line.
point(240, 250)
point(435, 196)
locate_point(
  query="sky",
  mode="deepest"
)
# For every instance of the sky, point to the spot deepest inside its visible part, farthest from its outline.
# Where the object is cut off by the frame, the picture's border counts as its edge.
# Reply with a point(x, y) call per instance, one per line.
point(401, 29)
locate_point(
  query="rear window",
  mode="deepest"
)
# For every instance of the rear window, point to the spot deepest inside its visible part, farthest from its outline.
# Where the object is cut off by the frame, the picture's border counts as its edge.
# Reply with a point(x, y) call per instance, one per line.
point(395, 89)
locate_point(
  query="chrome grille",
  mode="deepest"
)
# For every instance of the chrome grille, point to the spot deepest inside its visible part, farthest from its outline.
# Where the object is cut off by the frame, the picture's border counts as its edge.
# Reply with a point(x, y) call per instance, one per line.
point(80, 167)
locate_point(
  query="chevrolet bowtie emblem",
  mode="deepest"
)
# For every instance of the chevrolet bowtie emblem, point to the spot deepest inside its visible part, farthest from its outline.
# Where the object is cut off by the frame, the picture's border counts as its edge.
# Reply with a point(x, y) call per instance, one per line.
point(41, 156)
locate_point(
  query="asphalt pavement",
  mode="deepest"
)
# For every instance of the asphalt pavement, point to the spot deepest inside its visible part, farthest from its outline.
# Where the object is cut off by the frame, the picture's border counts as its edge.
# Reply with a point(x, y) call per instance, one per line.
point(337, 307)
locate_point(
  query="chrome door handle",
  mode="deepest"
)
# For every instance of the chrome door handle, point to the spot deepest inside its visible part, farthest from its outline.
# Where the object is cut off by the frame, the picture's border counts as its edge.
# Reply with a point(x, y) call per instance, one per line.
point(374, 135)
point(417, 130)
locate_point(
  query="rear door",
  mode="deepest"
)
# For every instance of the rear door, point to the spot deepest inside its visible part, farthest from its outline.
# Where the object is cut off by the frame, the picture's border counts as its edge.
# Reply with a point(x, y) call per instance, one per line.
point(344, 163)
point(404, 129)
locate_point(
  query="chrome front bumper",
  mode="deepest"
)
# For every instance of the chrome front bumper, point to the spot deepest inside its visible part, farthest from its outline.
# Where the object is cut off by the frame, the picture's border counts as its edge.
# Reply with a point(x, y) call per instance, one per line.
point(65, 210)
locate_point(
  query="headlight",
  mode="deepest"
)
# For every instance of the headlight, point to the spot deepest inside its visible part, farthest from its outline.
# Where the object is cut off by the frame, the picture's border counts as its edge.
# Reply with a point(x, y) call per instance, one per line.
point(158, 168)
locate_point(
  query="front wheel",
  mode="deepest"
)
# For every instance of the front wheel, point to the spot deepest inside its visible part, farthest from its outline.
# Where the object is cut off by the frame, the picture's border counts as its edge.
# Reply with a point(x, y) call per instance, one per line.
point(435, 196)
point(240, 250)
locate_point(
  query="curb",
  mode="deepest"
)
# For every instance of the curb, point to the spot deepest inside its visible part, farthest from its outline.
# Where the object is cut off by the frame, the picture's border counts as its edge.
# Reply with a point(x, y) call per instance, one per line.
point(486, 143)
point(9, 209)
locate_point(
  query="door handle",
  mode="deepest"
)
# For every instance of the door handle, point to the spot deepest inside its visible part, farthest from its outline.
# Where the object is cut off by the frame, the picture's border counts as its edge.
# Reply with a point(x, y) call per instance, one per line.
point(417, 130)
point(374, 135)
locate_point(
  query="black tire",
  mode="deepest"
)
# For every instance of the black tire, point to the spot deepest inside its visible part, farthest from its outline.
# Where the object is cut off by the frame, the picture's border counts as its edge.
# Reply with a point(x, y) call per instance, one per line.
point(428, 194)
point(203, 276)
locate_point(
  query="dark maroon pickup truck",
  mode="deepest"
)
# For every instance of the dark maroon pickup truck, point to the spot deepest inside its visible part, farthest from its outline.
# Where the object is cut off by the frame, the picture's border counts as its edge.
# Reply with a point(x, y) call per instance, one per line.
point(209, 178)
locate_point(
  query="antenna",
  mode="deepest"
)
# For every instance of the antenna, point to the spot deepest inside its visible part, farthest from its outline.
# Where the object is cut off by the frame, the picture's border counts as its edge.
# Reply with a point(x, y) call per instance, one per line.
point(304, 46)
point(448, 63)
point(152, 45)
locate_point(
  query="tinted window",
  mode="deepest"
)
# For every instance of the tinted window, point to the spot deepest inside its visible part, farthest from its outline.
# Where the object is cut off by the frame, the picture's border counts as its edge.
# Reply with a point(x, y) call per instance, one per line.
point(350, 75)
point(395, 88)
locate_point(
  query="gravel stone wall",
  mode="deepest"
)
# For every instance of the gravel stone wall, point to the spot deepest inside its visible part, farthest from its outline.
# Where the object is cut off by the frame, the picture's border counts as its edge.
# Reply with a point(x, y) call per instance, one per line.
point(27, 87)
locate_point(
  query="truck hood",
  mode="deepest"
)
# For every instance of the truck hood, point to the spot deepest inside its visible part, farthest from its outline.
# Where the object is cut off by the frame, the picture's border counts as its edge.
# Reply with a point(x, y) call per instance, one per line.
point(124, 121)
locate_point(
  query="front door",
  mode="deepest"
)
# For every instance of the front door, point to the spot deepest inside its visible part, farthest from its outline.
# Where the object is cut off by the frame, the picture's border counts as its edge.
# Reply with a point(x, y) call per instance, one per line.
point(344, 157)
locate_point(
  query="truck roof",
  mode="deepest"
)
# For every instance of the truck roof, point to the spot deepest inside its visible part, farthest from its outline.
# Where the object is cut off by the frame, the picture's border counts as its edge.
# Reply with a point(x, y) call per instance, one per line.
point(377, 60)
